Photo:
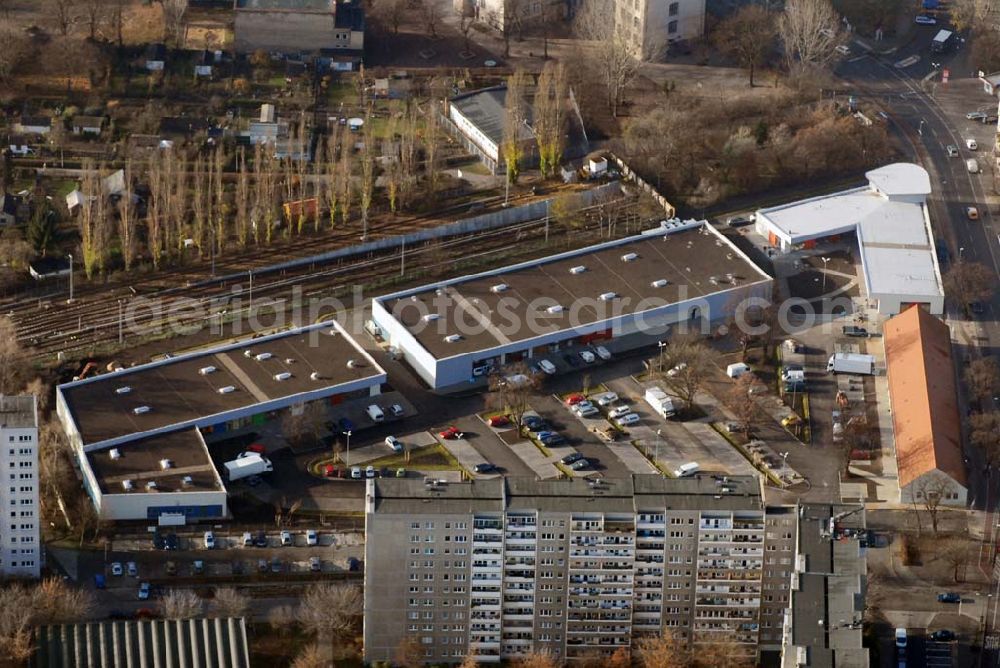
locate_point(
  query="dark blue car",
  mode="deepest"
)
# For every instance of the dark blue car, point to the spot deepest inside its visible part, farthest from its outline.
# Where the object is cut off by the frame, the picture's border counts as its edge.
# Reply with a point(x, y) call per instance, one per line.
point(949, 597)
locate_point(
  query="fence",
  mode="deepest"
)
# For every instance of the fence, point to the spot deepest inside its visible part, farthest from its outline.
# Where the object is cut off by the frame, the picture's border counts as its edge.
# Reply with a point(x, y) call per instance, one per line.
point(627, 172)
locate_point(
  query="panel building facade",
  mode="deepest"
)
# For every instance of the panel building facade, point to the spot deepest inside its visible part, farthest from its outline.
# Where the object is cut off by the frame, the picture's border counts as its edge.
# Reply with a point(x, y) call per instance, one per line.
point(576, 567)
point(20, 546)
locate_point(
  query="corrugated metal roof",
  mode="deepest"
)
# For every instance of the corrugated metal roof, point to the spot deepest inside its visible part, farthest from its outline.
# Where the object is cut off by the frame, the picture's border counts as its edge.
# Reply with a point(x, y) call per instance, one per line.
point(189, 643)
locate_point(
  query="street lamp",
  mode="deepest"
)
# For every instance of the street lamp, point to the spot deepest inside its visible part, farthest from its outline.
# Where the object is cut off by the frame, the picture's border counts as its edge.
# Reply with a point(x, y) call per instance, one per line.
point(70, 300)
point(121, 331)
point(961, 252)
point(656, 457)
point(661, 345)
point(825, 260)
point(920, 130)
point(347, 456)
point(250, 272)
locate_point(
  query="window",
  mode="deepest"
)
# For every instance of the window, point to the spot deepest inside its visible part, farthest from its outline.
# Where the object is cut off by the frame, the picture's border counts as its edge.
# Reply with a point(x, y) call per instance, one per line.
point(674, 8)
point(672, 27)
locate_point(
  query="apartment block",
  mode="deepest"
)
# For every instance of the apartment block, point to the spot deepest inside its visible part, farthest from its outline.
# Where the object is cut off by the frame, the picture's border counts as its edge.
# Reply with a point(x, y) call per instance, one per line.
point(649, 26)
point(20, 545)
point(574, 567)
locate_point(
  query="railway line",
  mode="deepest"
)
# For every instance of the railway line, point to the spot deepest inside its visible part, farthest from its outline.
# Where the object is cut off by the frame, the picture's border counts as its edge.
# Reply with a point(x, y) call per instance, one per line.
point(78, 328)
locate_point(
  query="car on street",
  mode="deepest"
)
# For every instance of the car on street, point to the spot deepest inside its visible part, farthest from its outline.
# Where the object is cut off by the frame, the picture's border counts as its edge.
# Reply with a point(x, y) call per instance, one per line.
point(971, 144)
point(144, 590)
point(677, 369)
point(580, 464)
point(618, 411)
point(485, 467)
point(499, 421)
point(943, 635)
point(972, 213)
point(116, 569)
point(451, 433)
point(286, 539)
point(606, 398)
point(854, 330)
point(369, 471)
point(396, 410)
point(587, 356)
point(587, 411)
point(553, 439)
point(842, 49)
point(312, 538)
point(739, 221)
point(260, 540)
point(394, 443)
point(976, 115)
point(574, 399)
point(247, 539)
point(315, 564)
point(924, 20)
point(547, 366)
point(572, 360)
point(571, 458)
point(132, 569)
point(276, 566)
point(209, 540)
point(952, 151)
point(533, 422)
point(602, 352)
point(356, 473)
point(949, 597)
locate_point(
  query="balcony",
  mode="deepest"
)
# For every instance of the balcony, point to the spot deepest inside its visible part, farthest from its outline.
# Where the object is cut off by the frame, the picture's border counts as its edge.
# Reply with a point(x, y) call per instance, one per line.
point(720, 524)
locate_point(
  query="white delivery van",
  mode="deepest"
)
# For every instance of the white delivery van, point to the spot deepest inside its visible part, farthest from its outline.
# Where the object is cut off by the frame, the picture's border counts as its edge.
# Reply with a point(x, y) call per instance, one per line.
point(686, 470)
point(375, 413)
point(972, 165)
point(737, 369)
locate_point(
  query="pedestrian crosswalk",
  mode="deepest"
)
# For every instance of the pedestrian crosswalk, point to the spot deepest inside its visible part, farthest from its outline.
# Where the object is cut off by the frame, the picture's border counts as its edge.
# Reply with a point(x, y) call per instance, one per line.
point(938, 654)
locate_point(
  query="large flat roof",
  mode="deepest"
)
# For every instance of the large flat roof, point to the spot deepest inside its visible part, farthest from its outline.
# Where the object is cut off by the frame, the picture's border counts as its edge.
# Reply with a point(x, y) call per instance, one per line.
point(485, 108)
point(889, 217)
point(694, 262)
point(177, 393)
point(926, 421)
point(289, 5)
point(190, 465)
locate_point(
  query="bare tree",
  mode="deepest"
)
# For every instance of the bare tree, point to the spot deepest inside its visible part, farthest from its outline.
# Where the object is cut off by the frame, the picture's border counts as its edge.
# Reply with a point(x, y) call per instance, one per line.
point(156, 208)
point(305, 425)
point(931, 491)
point(96, 14)
point(229, 602)
point(331, 610)
point(15, 47)
point(973, 14)
point(181, 604)
point(390, 12)
point(537, 660)
point(982, 379)
point(220, 206)
point(13, 363)
point(969, 282)
point(430, 12)
point(685, 366)
point(984, 433)
point(282, 618)
point(511, 390)
point(54, 601)
point(742, 402)
point(408, 654)
point(432, 146)
point(173, 19)
point(465, 27)
point(514, 124)
point(611, 55)
point(407, 156)
point(22, 607)
point(242, 200)
point(127, 219)
point(367, 173)
point(954, 551)
point(199, 206)
point(179, 199)
point(747, 35)
point(663, 651)
point(331, 177)
point(393, 172)
point(62, 14)
point(346, 175)
point(309, 657)
point(859, 433)
point(810, 32)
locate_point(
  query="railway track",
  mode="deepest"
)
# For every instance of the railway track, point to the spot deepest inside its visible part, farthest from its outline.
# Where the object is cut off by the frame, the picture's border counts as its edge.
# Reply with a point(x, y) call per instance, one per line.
point(91, 325)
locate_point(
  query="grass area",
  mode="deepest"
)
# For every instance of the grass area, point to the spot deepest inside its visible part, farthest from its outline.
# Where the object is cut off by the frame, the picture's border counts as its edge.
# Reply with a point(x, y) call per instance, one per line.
point(645, 453)
point(433, 458)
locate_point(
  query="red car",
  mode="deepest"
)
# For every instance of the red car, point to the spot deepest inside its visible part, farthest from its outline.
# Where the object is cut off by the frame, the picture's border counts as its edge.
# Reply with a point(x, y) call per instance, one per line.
point(256, 447)
point(330, 471)
point(574, 399)
point(499, 421)
point(450, 433)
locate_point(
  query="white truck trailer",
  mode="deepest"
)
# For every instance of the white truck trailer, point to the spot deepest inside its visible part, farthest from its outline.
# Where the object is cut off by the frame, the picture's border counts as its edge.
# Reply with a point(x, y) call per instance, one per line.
point(251, 463)
point(660, 402)
point(851, 363)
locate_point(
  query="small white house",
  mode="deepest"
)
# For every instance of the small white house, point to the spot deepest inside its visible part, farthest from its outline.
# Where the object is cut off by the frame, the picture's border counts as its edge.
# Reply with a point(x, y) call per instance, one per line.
point(35, 125)
point(597, 166)
point(991, 82)
point(156, 57)
point(87, 125)
point(203, 64)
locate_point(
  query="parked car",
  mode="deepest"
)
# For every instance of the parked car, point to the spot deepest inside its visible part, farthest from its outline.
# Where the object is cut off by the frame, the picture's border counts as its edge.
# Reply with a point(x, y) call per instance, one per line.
point(198, 567)
point(257, 447)
point(485, 467)
point(451, 433)
point(396, 410)
point(159, 541)
point(971, 144)
point(618, 411)
point(247, 539)
point(572, 360)
point(924, 20)
point(356, 473)
point(627, 419)
point(943, 635)
point(677, 369)
point(949, 597)
point(533, 422)
point(117, 570)
point(606, 398)
point(952, 151)
point(547, 366)
point(790, 420)
point(976, 115)
point(571, 458)
point(312, 538)
point(499, 421)
point(276, 566)
point(369, 471)
point(132, 569)
point(99, 581)
point(315, 564)
point(574, 399)
point(260, 540)
point(602, 352)
point(144, 591)
point(171, 568)
point(173, 542)
point(590, 410)
point(580, 464)
point(853, 330)
point(972, 213)
point(553, 439)
point(738, 221)
point(262, 565)
point(394, 443)
point(587, 356)
point(976, 307)
point(286, 539)
point(400, 473)
point(584, 405)
point(209, 540)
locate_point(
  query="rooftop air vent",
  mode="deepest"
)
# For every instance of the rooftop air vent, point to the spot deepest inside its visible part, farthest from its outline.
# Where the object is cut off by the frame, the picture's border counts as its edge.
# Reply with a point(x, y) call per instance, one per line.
point(289, 360)
point(115, 453)
point(629, 257)
point(439, 291)
point(578, 269)
point(127, 485)
point(430, 317)
point(554, 309)
point(151, 486)
point(499, 287)
point(354, 364)
point(659, 283)
point(608, 296)
point(139, 410)
point(247, 353)
point(314, 375)
point(453, 338)
point(166, 464)
point(260, 357)
point(284, 375)
point(205, 370)
point(123, 390)
point(226, 389)
point(187, 481)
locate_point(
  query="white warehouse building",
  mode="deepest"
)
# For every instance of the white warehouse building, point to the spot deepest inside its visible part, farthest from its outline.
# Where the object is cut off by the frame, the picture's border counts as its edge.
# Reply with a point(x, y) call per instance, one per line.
point(620, 295)
point(889, 216)
point(139, 434)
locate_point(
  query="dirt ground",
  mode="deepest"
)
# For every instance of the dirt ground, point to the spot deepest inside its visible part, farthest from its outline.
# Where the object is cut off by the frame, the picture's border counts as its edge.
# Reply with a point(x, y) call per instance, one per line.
point(142, 23)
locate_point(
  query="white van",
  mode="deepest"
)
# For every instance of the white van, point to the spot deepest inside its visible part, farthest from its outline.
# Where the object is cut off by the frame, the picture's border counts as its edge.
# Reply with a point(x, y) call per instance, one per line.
point(901, 638)
point(375, 413)
point(686, 470)
point(972, 165)
point(737, 369)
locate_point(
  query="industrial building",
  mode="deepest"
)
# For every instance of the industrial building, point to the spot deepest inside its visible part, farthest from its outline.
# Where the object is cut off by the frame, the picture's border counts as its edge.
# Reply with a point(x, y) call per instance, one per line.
point(823, 627)
point(573, 567)
point(317, 28)
point(889, 216)
point(20, 541)
point(926, 422)
point(620, 294)
point(140, 433)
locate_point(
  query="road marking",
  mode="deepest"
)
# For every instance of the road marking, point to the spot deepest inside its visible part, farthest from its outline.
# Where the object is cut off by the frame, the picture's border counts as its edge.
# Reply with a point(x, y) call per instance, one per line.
point(857, 58)
point(906, 62)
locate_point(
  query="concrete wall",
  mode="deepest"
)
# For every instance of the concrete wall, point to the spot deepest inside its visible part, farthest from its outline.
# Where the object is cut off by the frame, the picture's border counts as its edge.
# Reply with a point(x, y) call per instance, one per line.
point(134, 505)
point(286, 31)
point(485, 145)
point(690, 23)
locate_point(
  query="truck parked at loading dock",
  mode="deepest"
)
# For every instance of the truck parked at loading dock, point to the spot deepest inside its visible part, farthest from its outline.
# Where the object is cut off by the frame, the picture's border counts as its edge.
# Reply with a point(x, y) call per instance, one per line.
point(851, 363)
point(246, 465)
point(660, 402)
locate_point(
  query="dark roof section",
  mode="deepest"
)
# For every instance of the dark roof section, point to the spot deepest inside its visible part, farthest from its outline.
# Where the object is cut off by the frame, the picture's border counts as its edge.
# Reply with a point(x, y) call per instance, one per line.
point(485, 109)
point(156, 51)
point(188, 469)
point(350, 15)
point(324, 6)
point(209, 643)
point(36, 121)
point(182, 125)
point(49, 266)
